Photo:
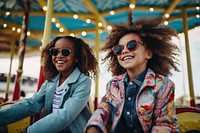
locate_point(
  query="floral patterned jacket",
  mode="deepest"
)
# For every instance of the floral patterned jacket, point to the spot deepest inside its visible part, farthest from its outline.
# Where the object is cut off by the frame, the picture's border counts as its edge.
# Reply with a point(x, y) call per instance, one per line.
point(154, 105)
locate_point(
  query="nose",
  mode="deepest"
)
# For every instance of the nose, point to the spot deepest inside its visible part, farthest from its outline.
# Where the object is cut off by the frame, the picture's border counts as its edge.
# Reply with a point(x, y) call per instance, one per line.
point(125, 50)
point(59, 53)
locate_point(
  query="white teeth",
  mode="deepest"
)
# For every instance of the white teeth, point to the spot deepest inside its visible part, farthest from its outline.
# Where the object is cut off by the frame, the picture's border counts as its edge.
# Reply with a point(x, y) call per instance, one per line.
point(127, 58)
point(60, 62)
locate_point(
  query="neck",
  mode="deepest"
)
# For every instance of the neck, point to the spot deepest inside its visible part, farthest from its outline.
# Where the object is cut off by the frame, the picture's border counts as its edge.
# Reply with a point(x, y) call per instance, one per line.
point(132, 74)
point(63, 78)
point(65, 74)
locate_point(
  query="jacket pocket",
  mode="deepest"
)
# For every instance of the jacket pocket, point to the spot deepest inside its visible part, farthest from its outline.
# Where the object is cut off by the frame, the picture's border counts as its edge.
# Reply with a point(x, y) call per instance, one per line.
point(146, 106)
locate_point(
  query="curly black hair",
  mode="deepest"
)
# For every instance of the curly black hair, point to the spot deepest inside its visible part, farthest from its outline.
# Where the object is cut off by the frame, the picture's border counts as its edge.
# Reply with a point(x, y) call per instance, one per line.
point(87, 62)
point(157, 38)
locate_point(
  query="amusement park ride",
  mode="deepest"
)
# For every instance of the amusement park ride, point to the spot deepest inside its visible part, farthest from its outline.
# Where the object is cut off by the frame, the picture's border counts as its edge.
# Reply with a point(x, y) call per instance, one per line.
point(180, 14)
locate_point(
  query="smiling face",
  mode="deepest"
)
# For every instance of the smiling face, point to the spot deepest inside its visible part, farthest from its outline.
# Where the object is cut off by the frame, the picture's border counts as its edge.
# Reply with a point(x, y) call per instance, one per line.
point(64, 64)
point(134, 61)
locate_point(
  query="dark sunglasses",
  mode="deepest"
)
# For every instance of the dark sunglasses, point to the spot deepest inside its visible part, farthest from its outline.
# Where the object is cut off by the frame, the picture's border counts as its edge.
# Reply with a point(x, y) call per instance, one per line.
point(131, 45)
point(56, 51)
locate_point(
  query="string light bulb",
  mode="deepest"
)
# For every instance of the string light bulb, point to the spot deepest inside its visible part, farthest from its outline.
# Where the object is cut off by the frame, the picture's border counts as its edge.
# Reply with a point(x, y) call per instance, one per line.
point(44, 8)
point(100, 24)
point(75, 16)
point(13, 28)
point(151, 9)
point(166, 23)
point(88, 21)
point(18, 30)
point(109, 27)
point(53, 20)
point(5, 25)
point(7, 13)
point(61, 29)
point(57, 25)
point(71, 34)
point(83, 33)
point(28, 33)
point(166, 15)
point(132, 6)
point(100, 31)
point(112, 12)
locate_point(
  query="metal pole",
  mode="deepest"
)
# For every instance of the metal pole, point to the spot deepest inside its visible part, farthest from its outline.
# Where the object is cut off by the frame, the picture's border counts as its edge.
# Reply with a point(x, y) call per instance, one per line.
point(10, 68)
point(46, 40)
point(21, 52)
point(46, 36)
point(191, 88)
point(97, 78)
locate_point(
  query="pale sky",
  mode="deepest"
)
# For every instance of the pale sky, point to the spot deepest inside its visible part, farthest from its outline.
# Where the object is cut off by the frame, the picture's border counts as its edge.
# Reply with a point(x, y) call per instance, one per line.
point(31, 67)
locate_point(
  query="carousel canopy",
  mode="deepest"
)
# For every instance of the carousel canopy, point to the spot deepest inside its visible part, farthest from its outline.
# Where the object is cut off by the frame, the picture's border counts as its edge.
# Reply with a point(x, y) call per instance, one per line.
point(84, 18)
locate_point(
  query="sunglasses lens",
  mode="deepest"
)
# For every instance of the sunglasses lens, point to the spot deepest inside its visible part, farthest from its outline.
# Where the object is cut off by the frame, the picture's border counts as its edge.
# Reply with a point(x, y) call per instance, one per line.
point(117, 49)
point(66, 52)
point(131, 45)
point(54, 51)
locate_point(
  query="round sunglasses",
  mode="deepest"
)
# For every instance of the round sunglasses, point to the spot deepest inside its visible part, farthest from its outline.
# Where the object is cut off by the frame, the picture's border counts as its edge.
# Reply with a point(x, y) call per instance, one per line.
point(131, 45)
point(56, 51)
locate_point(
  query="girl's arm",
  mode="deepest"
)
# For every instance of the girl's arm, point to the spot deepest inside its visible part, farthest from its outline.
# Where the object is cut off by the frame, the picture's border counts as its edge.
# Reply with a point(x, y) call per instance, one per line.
point(23, 109)
point(165, 119)
point(72, 107)
point(100, 117)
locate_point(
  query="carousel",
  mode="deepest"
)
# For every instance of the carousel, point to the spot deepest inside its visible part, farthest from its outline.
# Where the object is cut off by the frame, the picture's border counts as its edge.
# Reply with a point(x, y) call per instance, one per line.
point(26, 26)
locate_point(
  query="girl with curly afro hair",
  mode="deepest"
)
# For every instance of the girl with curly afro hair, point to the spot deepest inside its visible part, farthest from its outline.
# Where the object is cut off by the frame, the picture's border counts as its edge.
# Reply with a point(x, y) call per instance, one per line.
point(140, 97)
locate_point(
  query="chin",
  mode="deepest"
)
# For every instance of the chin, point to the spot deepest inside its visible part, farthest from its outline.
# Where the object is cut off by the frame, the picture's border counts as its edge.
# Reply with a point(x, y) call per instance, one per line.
point(60, 70)
point(128, 66)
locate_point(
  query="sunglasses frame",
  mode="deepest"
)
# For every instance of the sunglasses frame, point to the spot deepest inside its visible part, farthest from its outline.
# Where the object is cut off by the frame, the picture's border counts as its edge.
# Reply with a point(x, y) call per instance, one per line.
point(59, 50)
point(122, 46)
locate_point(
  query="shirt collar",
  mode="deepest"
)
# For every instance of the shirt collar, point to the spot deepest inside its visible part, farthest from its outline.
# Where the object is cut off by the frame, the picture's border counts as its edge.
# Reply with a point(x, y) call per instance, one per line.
point(138, 80)
point(72, 77)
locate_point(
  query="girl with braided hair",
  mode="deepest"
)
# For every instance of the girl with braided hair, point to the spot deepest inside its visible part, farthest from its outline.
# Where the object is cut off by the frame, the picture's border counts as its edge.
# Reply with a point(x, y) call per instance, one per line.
point(140, 97)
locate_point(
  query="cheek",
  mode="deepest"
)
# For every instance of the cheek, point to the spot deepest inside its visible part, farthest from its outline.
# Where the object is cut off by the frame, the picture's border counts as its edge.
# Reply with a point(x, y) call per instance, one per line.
point(72, 60)
point(118, 59)
point(53, 60)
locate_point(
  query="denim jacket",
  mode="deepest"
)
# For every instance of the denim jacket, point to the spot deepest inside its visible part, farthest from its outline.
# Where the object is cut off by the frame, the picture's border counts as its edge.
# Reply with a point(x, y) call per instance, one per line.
point(154, 105)
point(73, 113)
